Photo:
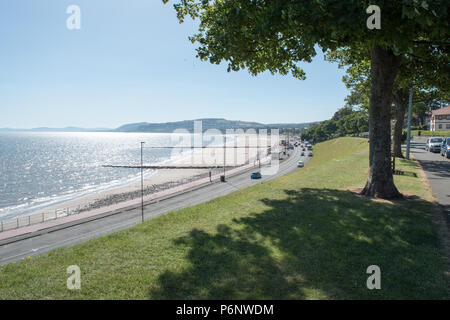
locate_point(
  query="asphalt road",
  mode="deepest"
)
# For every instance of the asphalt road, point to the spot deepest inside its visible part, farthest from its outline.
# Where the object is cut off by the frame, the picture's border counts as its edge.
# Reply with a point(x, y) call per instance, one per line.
point(437, 170)
point(42, 242)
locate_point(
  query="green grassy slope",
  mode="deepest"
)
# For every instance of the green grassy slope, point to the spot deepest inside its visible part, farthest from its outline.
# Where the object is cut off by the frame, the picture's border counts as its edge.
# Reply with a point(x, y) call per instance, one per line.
point(441, 133)
point(301, 236)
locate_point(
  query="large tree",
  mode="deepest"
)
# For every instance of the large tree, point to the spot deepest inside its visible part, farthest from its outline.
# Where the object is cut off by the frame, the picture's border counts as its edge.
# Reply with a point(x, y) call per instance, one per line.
point(276, 35)
point(429, 80)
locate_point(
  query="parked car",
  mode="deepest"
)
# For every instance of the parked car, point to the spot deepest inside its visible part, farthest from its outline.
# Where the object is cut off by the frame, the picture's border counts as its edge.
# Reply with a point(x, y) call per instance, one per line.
point(256, 175)
point(434, 144)
point(310, 154)
point(302, 154)
point(300, 164)
point(445, 148)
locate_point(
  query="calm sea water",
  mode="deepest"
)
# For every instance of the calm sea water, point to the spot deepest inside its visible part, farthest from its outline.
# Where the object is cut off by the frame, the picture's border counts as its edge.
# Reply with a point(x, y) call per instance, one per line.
point(41, 169)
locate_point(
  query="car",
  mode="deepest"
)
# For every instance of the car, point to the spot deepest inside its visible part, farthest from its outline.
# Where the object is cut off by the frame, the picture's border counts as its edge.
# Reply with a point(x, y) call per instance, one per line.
point(300, 164)
point(256, 175)
point(302, 154)
point(303, 149)
point(310, 154)
point(434, 144)
point(291, 147)
point(445, 148)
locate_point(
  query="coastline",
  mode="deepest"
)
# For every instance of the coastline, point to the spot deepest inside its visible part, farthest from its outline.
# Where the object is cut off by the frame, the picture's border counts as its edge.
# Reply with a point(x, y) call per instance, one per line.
point(162, 179)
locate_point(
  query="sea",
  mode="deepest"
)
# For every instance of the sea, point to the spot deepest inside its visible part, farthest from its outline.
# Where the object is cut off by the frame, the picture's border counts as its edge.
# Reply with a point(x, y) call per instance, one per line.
point(41, 169)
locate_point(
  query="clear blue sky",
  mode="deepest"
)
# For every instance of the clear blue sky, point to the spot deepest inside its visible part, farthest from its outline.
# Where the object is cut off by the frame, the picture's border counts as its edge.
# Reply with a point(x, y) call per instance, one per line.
point(132, 62)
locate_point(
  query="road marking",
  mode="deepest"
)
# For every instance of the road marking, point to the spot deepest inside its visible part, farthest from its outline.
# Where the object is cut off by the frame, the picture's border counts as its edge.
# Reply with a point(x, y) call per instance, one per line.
point(59, 244)
point(285, 168)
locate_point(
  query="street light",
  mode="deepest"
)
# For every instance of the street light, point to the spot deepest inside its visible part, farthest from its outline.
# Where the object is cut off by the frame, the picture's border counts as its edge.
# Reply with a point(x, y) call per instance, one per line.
point(408, 133)
point(142, 182)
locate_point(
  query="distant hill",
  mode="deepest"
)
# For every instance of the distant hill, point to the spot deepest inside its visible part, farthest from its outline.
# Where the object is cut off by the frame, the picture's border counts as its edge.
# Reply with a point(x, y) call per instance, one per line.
point(208, 123)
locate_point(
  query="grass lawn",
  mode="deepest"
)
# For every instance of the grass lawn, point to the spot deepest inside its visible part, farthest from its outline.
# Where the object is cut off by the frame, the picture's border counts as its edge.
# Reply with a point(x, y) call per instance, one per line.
point(301, 236)
point(429, 133)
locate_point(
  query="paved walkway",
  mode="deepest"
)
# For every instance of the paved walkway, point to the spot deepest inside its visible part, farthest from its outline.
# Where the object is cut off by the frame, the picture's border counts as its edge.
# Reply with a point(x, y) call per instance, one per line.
point(36, 243)
point(437, 170)
point(121, 205)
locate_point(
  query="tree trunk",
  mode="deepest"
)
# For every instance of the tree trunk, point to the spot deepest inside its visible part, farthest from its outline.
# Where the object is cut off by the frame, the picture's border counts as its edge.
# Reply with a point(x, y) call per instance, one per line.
point(383, 70)
point(401, 101)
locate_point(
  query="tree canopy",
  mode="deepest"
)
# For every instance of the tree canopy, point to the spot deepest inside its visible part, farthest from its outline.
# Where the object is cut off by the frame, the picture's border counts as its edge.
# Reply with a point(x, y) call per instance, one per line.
point(275, 36)
point(345, 121)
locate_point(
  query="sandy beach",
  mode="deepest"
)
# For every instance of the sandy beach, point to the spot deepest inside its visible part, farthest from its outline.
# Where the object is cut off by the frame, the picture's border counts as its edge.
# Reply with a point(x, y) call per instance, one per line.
point(160, 180)
point(164, 178)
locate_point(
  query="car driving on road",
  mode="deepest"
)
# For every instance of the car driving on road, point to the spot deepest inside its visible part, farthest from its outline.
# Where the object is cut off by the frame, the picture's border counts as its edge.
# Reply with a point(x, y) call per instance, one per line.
point(310, 154)
point(256, 175)
point(445, 148)
point(434, 144)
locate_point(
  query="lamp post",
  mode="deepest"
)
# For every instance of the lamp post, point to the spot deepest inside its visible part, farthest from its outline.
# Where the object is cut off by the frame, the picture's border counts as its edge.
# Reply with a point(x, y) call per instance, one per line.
point(408, 133)
point(222, 179)
point(431, 121)
point(142, 181)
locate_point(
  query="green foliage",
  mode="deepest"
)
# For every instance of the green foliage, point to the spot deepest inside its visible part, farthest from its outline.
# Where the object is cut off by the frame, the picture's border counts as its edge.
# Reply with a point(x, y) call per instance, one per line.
point(429, 78)
point(344, 122)
point(301, 236)
point(357, 77)
point(429, 133)
point(275, 35)
point(342, 112)
point(423, 127)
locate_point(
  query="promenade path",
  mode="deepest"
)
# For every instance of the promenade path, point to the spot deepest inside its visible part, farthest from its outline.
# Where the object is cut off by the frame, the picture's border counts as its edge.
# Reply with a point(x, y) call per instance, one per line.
point(41, 239)
point(437, 170)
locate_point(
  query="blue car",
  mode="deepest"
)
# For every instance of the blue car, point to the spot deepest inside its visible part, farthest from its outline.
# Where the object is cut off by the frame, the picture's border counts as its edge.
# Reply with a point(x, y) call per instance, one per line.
point(256, 175)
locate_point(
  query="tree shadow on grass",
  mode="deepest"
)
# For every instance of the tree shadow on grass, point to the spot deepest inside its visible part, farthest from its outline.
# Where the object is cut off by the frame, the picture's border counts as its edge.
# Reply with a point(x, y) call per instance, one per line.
point(440, 168)
point(315, 243)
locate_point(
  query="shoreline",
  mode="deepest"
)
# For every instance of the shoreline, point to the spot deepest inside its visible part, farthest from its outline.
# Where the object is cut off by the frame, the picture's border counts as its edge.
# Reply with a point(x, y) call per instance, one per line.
point(160, 180)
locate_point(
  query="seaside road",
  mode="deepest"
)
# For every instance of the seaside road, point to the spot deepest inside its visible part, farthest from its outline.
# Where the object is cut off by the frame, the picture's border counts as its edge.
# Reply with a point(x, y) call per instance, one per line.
point(437, 170)
point(69, 235)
